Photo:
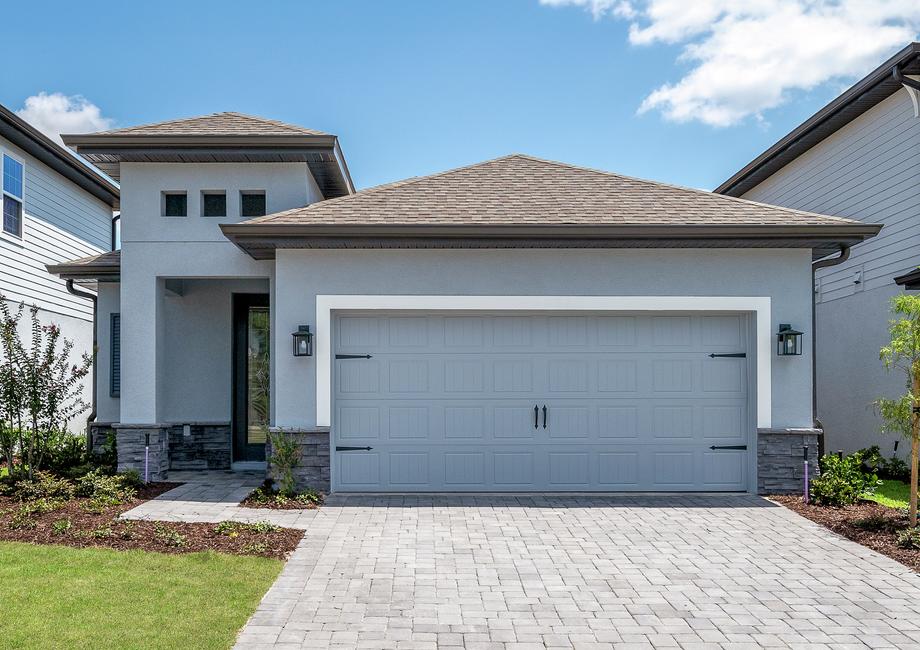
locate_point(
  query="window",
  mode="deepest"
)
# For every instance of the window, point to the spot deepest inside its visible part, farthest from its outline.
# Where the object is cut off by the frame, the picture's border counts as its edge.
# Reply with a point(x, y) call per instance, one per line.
point(115, 362)
point(12, 196)
point(252, 204)
point(213, 204)
point(175, 204)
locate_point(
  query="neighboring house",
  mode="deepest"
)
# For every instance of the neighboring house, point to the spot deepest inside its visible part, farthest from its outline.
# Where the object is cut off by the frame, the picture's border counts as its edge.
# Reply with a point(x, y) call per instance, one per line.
point(55, 207)
point(515, 325)
point(858, 157)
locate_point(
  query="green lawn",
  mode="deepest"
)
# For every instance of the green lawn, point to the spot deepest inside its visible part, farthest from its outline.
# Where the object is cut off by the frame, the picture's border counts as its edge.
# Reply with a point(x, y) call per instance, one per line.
point(59, 597)
point(894, 494)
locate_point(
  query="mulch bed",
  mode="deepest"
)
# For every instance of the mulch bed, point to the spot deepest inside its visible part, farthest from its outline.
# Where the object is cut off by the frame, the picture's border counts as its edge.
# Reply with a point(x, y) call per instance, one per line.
point(104, 529)
point(254, 501)
point(878, 531)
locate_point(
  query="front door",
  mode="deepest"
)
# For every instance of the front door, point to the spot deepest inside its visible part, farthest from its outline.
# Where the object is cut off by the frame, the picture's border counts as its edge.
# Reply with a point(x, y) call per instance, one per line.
point(251, 335)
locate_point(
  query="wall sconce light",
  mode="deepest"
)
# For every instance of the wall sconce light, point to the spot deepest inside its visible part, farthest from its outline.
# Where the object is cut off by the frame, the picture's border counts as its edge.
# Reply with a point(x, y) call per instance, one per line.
point(788, 341)
point(303, 341)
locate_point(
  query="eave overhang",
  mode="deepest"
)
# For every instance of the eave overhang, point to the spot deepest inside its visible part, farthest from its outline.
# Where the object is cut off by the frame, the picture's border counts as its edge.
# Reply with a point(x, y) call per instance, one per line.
point(322, 153)
point(261, 241)
point(877, 86)
point(910, 281)
point(37, 144)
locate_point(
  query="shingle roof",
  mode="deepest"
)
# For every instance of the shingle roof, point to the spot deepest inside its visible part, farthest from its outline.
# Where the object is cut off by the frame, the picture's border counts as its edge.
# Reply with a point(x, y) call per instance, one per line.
point(101, 265)
point(228, 123)
point(522, 190)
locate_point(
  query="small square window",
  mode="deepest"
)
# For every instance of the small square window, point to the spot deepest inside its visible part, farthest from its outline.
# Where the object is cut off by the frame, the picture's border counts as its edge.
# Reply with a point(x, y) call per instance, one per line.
point(252, 204)
point(175, 204)
point(213, 204)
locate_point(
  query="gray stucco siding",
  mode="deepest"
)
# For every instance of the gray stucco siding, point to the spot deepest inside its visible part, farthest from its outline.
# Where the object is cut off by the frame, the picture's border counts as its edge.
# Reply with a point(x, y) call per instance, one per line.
point(300, 275)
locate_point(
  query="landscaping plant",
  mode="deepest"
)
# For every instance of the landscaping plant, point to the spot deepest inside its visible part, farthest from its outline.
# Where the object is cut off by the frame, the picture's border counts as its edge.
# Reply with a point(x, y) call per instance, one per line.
point(285, 457)
point(843, 480)
point(40, 390)
point(902, 414)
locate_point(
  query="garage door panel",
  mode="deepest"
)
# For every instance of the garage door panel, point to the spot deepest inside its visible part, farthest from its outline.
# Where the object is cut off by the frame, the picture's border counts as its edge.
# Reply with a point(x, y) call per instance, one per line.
point(634, 402)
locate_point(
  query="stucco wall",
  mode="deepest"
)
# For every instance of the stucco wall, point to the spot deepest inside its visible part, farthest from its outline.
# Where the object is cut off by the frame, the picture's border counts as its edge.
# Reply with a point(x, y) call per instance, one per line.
point(782, 275)
point(198, 361)
point(155, 248)
point(108, 303)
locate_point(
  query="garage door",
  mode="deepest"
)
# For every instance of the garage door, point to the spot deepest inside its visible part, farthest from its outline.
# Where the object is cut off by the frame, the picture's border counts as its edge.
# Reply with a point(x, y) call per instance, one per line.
point(540, 402)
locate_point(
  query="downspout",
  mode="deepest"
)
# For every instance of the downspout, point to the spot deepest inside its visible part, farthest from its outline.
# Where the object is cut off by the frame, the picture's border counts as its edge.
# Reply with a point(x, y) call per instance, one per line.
point(92, 414)
point(820, 264)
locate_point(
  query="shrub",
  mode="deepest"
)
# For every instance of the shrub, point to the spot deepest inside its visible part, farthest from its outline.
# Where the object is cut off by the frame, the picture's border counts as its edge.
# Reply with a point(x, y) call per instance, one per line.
point(842, 481)
point(105, 490)
point(169, 536)
point(45, 485)
point(255, 548)
point(234, 528)
point(66, 452)
point(909, 538)
point(266, 494)
point(887, 468)
point(285, 457)
point(872, 522)
point(61, 526)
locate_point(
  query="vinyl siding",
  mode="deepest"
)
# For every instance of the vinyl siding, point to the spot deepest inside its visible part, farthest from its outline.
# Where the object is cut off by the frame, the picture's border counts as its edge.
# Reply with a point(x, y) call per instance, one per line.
point(868, 170)
point(60, 222)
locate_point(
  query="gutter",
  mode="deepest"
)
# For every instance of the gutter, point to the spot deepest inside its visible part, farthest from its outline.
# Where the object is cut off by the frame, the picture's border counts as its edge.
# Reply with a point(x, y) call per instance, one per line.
point(842, 257)
point(71, 289)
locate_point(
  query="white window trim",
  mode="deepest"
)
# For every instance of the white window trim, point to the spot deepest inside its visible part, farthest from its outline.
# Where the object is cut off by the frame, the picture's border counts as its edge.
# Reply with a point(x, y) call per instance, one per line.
point(16, 239)
point(760, 306)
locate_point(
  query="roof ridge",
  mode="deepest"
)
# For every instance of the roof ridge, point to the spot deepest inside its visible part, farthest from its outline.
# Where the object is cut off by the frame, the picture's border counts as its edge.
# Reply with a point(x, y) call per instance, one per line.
point(193, 118)
point(267, 120)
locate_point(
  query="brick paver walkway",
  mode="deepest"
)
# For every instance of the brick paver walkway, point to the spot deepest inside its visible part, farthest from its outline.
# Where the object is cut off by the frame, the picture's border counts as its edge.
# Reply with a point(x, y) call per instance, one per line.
point(583, 572)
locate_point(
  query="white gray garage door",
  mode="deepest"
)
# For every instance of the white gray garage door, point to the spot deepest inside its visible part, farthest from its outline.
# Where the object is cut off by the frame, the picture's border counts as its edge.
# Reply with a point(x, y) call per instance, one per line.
point(539, 402)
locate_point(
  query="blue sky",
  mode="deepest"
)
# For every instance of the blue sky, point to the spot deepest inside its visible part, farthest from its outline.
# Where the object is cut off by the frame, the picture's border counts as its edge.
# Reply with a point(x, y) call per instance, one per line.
point(417, 87)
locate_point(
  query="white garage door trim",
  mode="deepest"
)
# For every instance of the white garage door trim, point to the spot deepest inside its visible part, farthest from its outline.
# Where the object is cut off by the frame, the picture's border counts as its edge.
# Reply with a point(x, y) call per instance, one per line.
point(759, 306)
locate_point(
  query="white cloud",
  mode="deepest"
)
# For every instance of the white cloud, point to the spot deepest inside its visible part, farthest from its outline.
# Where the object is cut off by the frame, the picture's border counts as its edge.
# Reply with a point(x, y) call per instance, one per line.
point(56, 113)
point(745, 56)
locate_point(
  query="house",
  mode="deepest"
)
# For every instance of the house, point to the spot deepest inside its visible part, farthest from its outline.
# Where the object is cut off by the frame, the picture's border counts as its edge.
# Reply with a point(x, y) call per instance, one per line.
point(514, 325)
point(856, 158)
point(55, 207)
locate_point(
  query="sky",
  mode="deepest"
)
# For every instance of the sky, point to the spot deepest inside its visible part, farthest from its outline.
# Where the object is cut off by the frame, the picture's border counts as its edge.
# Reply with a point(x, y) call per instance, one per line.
point(681, 91)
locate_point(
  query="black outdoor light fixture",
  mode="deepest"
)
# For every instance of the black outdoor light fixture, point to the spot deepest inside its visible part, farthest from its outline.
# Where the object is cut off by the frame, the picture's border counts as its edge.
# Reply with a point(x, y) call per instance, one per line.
point(303, 341)
point(788, 341)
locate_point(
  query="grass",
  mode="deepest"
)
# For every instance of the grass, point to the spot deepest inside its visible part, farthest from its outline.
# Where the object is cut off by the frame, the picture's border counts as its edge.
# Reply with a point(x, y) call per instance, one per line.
point(894, 494)
point(59, 597)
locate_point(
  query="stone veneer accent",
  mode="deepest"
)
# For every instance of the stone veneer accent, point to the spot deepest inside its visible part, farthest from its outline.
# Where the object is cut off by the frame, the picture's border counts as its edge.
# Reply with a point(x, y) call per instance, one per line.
point(313, 471)
point(99, 433)
point(207, 446)
point(780, 459)
point(131, 440)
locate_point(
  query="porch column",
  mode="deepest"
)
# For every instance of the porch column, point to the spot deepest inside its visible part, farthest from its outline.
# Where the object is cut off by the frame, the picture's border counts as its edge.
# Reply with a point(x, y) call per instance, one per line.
point(141, 348)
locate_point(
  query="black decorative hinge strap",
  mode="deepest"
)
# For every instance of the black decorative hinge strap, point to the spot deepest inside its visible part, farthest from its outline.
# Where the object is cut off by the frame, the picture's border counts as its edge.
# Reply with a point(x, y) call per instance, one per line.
point(353, 448)
point(736, 355)
point(352, 356)
point(729, 447)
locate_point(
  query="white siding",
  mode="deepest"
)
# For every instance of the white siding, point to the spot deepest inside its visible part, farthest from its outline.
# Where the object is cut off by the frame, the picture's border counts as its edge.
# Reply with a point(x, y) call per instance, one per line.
point(868, 170)
point(60, 222)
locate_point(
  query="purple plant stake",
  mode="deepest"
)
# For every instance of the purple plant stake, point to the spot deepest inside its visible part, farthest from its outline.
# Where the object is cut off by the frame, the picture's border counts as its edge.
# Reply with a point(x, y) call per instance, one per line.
point(806, 474)
point(146, 458)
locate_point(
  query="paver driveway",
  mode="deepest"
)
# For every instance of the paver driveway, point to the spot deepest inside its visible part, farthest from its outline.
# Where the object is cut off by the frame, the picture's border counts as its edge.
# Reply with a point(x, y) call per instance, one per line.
point(584, 572)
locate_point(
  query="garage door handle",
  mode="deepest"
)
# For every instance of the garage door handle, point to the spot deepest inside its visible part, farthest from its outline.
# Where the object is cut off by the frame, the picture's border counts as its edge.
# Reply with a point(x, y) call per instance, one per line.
point(729, 447)
point(353, 448)
point(544, 416)
point(536, 416)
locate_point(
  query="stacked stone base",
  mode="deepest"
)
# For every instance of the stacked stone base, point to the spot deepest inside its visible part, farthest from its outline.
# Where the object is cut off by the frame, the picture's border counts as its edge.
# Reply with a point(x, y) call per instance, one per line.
point(99, 435)
point(313, 470)
point(781, 459)
point(144, 449)
point(200, 445)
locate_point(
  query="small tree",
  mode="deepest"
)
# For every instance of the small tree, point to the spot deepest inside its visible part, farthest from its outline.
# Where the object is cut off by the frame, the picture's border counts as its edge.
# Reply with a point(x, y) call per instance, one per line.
point(40, 391)
point(902, 415)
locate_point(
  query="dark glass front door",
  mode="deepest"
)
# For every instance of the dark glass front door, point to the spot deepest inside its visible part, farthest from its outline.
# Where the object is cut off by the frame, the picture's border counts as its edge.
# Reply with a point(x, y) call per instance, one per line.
point(251, 375)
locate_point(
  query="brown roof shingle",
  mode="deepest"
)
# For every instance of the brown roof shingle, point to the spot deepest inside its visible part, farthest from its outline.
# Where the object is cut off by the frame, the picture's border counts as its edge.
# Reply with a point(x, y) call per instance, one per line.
point(228, 123)
point(522, 190)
